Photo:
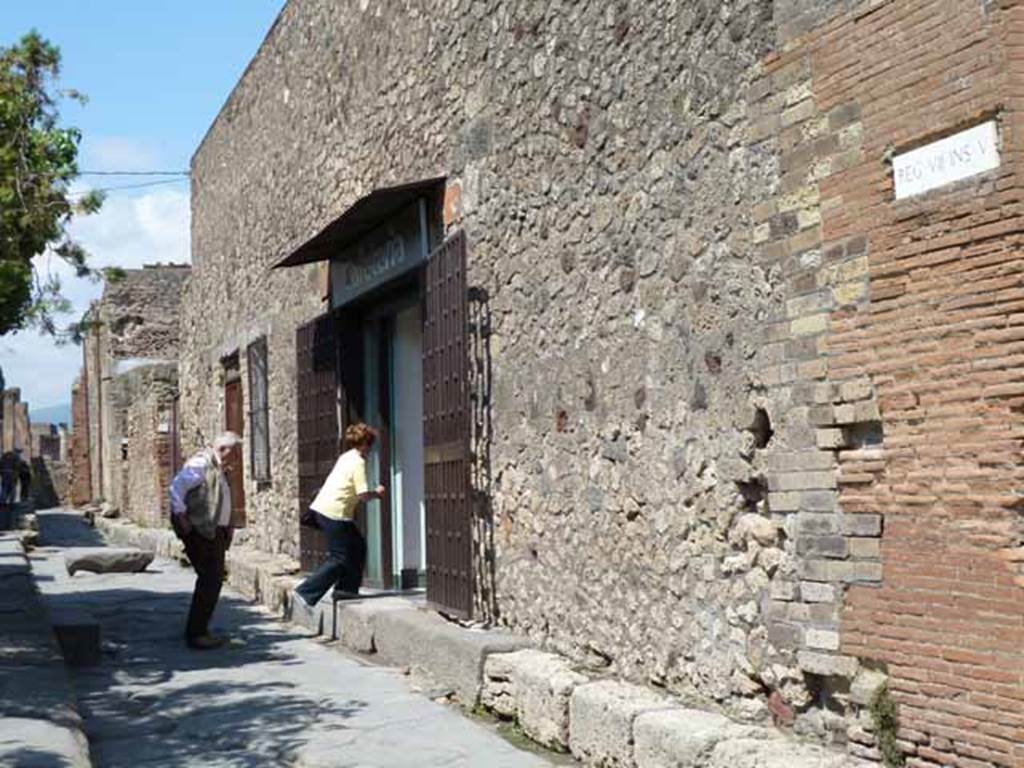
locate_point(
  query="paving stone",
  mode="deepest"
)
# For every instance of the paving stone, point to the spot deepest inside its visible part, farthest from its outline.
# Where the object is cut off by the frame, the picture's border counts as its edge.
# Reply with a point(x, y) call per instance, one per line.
point(30, 743)
point(601, 719)
point(107, 560)
point(273, 697)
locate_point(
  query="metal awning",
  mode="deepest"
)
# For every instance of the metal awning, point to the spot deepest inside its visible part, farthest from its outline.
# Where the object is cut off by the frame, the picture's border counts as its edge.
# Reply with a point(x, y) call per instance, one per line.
point(362, 216)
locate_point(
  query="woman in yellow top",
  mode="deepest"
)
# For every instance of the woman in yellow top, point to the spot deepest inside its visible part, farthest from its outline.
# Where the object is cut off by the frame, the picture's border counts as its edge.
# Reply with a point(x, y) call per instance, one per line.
point(335, 508)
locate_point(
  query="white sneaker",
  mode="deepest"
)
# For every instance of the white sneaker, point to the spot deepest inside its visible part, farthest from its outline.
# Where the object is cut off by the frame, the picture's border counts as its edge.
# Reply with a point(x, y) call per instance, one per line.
point(304, 614)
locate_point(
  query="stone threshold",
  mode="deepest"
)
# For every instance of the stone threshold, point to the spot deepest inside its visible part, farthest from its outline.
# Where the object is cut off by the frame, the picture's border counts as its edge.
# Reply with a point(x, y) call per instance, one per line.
point(600, 721)
point(39, 719)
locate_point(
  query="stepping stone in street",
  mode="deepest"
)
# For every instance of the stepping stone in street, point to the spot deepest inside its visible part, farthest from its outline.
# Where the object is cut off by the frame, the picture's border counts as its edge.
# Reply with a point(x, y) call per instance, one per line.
point(78, 633)
point(107, 560)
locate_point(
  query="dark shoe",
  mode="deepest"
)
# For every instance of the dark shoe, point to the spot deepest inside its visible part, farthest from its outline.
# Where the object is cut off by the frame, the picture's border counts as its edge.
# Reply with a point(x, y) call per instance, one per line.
point(343, 594)
point(205, 642)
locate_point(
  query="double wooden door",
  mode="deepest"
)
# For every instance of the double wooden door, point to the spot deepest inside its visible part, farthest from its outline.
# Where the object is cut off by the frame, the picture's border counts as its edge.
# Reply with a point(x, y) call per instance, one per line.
point(330, 360)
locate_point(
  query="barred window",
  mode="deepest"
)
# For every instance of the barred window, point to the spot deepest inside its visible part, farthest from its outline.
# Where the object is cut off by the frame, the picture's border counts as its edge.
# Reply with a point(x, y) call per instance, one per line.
point(259, 421)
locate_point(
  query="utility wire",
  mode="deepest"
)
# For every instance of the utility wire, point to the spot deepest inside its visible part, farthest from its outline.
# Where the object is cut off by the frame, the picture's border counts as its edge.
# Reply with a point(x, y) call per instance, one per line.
point(83, 193)
point(133, 173)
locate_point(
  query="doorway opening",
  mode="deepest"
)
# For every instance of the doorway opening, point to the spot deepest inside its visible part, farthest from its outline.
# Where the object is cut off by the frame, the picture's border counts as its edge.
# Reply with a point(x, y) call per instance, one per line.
point(393, 387)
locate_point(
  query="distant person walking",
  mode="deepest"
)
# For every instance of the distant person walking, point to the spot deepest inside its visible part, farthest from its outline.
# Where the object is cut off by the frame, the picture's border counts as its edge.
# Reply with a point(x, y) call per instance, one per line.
point(201, 517)
point(24, 477)
point(335, 508)
point(8, 477)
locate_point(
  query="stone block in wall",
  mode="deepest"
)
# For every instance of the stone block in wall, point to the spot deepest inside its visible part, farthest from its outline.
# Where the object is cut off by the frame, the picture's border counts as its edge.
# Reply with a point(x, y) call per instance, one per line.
point(827, 664)
point(534, 687)
point(601, 720)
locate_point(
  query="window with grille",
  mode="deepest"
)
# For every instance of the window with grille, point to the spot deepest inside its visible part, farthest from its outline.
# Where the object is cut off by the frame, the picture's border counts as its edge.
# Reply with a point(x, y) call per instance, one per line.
point(259, 421)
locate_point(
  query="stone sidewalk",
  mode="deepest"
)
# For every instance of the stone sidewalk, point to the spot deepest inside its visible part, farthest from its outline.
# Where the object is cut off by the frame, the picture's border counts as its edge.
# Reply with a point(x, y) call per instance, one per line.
point(275, 698)
point(39, 723)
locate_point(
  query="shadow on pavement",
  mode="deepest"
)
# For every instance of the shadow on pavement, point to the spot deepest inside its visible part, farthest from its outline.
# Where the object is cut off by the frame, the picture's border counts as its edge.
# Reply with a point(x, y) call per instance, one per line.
point(153, 701)
point(66, 529)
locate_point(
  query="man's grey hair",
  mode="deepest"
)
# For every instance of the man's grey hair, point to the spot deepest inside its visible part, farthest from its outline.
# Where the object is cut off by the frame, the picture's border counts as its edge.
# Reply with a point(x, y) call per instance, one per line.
point(227, 440)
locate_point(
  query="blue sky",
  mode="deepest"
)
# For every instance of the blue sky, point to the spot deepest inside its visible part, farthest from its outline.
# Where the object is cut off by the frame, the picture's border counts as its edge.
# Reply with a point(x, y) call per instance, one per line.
point(156, 74)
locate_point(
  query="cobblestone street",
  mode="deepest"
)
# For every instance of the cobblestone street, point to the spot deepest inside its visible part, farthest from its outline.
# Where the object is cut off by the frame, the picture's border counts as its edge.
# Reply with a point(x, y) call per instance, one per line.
point(274, 698)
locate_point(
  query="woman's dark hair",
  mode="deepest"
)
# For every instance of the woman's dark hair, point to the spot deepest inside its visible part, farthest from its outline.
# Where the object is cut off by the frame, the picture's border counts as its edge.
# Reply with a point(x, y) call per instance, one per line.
point(359, 435)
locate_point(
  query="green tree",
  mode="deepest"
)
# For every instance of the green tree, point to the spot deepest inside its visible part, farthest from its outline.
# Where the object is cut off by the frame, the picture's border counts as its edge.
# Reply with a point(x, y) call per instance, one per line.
point(38, 162)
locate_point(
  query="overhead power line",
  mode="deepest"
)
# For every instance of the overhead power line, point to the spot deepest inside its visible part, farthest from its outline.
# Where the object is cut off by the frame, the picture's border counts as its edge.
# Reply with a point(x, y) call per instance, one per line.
point(133, 173)
point(127, 186)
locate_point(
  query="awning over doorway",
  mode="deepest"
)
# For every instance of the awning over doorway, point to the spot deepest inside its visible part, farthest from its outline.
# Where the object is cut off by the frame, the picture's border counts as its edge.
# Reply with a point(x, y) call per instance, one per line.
point(365, 214)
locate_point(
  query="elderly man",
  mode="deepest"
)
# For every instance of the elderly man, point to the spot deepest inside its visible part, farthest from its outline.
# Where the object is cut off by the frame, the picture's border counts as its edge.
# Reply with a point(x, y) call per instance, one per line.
point(201, 517)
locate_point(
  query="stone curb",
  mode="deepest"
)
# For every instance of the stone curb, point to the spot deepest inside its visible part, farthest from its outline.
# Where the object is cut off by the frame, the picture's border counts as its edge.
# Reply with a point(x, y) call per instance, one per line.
point(603, 722)
point(39, 720)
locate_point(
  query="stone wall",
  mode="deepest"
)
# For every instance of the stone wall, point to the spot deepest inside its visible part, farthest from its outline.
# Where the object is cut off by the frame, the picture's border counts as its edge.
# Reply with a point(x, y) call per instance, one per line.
point(16, 427)
point(134, 325)
point(607, 183)
point(679, 224)
point(81, 479)
point(51, 482)
point(148, 394)
point(46, 441)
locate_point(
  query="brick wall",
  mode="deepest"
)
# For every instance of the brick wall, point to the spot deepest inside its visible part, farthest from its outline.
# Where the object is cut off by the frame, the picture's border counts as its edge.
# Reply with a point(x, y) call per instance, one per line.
point(81, 482)
point(147, 430)
point(905, 326)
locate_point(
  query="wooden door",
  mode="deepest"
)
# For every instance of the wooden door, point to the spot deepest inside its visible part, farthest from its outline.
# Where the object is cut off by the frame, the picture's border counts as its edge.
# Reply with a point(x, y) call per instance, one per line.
point(328, 353)
point(446, 432)
point(317, 414)
point(234, 421)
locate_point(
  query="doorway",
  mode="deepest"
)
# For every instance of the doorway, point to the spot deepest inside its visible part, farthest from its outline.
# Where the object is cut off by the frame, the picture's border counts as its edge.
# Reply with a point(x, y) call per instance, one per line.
point(234, 421)
point(393, 386)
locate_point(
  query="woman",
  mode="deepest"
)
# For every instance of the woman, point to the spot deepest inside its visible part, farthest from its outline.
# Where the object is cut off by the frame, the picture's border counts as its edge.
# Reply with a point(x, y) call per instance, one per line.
point(335, 507)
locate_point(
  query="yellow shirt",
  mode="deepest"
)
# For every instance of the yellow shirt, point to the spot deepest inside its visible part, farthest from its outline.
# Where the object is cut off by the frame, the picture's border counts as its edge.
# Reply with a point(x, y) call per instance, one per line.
point(339, 495)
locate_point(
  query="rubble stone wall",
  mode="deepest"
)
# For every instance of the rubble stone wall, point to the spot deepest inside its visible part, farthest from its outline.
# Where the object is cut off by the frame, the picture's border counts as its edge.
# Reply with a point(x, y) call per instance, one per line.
point(149, 393)
point(135, 323)
point(81, 480)
point(604, 174)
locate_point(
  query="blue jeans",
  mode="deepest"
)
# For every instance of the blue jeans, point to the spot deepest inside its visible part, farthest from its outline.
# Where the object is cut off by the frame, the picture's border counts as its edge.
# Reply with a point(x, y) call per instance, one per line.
point(343, 568)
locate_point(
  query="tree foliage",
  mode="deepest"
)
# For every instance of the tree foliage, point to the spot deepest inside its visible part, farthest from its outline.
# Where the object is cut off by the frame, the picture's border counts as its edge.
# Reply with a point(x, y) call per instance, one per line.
point(38, 162)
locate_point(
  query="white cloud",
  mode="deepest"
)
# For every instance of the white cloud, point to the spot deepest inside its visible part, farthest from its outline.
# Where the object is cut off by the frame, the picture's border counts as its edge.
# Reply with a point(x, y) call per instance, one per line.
point(119, 153)
point(127, 232)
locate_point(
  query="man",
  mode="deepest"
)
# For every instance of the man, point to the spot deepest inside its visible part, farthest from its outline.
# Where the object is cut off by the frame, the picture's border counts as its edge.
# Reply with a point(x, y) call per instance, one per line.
point(201, 517)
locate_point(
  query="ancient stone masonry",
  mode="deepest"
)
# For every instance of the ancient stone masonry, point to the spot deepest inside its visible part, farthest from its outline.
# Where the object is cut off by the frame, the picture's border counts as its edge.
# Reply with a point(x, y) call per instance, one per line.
point(752, 423)
point(122, 402)
point(81, 478)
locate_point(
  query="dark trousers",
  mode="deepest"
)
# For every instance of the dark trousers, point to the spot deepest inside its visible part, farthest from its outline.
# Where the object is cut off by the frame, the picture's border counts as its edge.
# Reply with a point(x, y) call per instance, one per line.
point(343, 568)
point(207, 557)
